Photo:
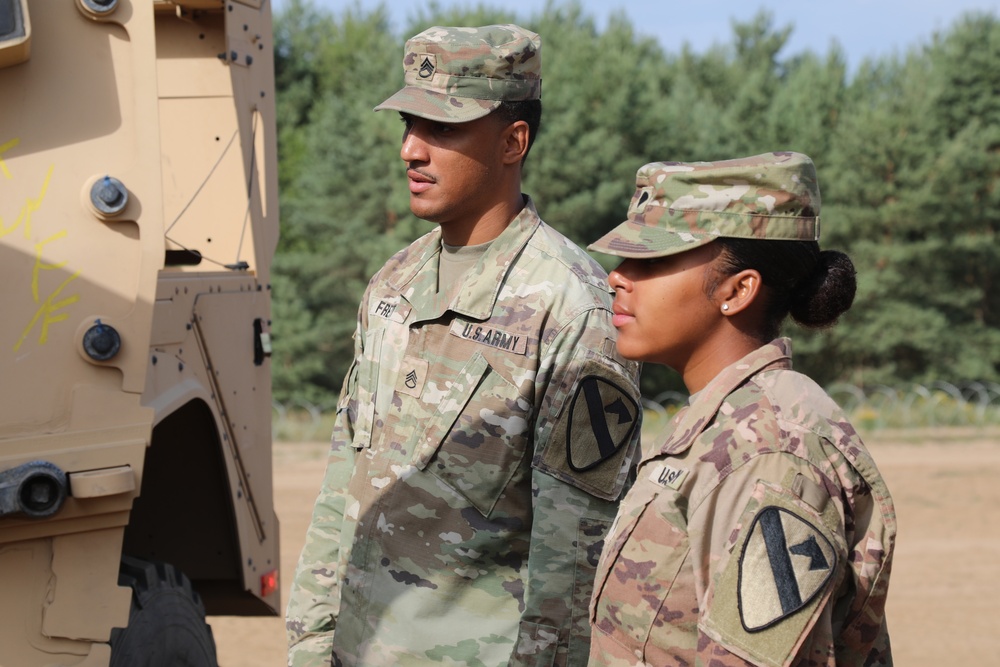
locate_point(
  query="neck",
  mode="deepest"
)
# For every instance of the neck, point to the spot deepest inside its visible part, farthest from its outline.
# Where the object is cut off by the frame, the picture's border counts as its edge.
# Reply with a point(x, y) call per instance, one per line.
point(712, 357)
point(489, 225)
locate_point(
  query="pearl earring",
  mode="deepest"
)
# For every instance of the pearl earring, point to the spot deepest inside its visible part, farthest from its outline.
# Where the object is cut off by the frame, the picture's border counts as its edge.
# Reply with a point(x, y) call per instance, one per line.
point(725, 307)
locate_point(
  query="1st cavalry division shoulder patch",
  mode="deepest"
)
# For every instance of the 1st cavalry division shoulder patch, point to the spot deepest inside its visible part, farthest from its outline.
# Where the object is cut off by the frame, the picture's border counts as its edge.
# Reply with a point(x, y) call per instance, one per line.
point(785, 562)
point(601, 420)
point(772, 590)
point(593, 432)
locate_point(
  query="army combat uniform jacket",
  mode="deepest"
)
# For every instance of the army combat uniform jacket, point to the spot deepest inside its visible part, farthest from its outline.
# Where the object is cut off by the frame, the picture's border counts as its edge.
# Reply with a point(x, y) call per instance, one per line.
point(481, 442)
point(759, 533)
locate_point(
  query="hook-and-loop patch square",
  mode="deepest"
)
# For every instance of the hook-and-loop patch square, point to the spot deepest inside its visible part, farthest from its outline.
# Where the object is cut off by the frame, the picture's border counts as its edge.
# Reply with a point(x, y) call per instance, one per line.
point(782, 570)
point(594, 431)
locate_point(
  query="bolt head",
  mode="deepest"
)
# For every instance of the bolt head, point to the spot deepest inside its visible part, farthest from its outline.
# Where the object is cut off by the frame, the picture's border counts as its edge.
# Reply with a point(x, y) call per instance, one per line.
point(101, 342)
point(109, 196)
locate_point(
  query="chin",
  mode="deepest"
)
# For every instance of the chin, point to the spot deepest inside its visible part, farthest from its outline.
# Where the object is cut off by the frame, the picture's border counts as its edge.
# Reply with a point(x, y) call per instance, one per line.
point(641, 353)
point(630, 352)
point(424, 212)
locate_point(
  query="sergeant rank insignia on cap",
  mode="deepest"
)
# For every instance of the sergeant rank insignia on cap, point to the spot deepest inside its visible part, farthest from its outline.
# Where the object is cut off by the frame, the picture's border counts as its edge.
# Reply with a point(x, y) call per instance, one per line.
point(426, 68)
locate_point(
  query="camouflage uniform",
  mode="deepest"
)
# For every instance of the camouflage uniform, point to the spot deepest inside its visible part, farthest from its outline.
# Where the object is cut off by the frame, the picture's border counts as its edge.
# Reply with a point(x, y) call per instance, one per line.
point(761, 531)
point(472, 517)
point(483, 437)
point(692, 573)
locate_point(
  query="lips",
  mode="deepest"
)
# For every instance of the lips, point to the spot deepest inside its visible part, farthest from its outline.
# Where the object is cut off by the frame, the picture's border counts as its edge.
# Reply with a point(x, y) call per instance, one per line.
point(419, 182)
point(621, 316)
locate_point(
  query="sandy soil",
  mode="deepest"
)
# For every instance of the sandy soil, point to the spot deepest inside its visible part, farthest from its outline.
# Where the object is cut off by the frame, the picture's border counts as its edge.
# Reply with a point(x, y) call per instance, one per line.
point(944, 585)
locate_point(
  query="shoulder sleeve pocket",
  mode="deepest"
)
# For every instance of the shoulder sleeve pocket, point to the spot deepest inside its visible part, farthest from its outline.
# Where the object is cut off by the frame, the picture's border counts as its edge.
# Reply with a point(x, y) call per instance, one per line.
point(536, 645)
point(594, 432)
point(784, 566)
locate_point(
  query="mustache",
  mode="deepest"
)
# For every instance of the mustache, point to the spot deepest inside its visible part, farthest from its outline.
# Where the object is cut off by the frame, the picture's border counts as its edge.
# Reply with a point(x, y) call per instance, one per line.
point(421, 172)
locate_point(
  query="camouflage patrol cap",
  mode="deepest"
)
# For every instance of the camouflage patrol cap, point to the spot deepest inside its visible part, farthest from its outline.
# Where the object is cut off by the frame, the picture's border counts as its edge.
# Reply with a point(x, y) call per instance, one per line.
point(461, 74)
point(678, 206)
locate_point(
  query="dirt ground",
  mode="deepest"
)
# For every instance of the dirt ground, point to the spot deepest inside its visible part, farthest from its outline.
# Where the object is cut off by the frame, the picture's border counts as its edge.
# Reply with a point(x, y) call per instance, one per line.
point(944, 589)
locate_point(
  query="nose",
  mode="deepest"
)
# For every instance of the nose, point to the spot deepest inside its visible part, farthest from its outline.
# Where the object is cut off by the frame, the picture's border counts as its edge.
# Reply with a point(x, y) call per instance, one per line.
point(618, 280)
point(414, 149)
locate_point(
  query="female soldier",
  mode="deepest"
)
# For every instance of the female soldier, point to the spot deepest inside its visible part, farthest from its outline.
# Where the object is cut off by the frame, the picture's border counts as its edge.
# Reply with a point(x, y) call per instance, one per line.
point(760, 532)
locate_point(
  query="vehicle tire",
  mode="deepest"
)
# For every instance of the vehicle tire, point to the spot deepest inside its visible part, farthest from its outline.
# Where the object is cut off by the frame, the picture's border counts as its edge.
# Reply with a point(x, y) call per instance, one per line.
point(166, 625)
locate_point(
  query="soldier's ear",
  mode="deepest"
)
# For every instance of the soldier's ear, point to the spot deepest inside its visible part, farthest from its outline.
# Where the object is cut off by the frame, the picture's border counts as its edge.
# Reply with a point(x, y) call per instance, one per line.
point(739, 291)
point(515, 142)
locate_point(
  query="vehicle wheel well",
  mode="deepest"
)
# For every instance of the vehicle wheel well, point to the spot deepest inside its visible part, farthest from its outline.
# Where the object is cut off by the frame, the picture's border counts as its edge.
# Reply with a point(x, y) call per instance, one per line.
point(184, 514)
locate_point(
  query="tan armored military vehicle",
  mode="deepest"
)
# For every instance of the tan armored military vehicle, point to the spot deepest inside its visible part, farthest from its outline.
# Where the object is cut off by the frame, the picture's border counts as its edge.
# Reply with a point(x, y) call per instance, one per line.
point(138, 219)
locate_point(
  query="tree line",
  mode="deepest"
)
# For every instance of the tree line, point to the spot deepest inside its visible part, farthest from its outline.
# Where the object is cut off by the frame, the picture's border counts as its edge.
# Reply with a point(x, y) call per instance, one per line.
point(907, 148)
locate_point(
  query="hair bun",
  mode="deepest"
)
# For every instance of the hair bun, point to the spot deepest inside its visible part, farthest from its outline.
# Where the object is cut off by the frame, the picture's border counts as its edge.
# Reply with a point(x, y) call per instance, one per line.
point(828, 293)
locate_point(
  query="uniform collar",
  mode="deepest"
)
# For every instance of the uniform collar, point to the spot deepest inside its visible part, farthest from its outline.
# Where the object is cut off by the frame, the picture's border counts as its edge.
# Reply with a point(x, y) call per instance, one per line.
point(477, 297)
point(692, 420)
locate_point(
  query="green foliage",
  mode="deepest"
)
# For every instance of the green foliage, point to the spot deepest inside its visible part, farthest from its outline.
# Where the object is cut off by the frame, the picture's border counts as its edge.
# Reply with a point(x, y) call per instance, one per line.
point(343, 194)
point(912, 193)
point(603, 95)
point(908, 152)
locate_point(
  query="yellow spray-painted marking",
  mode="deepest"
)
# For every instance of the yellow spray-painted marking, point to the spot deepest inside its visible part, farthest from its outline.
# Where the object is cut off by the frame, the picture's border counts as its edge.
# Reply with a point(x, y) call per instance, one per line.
point(3, 149)
point(30, 206)
point(40, 266)
point(47, 313)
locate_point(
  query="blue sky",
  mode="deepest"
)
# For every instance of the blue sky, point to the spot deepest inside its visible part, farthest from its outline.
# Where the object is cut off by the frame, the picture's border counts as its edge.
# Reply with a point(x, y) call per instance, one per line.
point(863, 28)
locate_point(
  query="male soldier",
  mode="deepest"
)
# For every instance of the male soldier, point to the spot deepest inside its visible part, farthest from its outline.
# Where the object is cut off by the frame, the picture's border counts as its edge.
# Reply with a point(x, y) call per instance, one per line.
point(486, 427)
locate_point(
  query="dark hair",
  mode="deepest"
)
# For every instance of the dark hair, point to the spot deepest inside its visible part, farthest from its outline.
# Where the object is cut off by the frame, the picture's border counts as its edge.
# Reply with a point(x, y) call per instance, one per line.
point(815, 287)
point(530, 111)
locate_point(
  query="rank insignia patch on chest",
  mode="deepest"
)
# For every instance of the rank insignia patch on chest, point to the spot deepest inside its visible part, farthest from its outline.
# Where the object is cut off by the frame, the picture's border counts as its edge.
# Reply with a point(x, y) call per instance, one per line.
point(785, 562)
point(602, 417)
point(411, 376)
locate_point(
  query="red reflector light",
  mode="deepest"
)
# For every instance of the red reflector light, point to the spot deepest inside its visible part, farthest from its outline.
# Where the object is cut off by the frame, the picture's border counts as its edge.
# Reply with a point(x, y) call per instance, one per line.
point(268, 583)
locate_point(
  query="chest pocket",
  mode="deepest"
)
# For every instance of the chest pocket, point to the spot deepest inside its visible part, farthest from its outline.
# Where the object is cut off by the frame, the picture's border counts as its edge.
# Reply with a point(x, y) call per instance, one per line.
point(640, 567)
point(477, 440)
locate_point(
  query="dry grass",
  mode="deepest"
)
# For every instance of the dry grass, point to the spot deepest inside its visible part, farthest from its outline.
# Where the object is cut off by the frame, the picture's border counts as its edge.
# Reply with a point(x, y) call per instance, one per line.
point(945, 577)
